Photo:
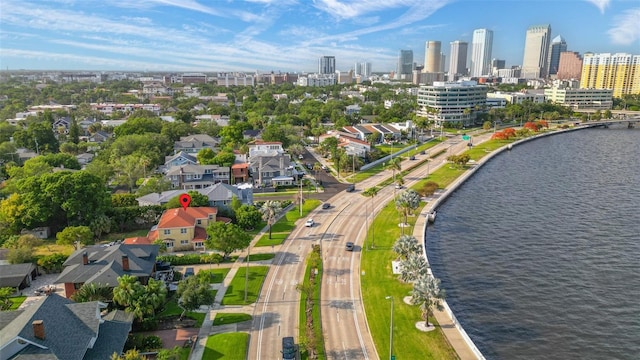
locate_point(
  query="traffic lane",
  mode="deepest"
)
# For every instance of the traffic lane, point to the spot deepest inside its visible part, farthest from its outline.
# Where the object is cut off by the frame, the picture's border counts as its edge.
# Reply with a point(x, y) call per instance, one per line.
point(346, 334)
point(275, 315)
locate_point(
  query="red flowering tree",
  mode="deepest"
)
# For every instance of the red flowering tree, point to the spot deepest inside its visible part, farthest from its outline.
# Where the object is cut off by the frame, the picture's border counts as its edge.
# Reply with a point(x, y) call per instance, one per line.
point(509, 132)
point(530, 125)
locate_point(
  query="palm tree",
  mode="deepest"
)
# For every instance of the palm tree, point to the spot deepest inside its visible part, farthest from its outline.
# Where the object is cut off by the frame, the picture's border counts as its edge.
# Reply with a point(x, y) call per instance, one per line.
point(427, 293)
point(270, 210)
point(406, 202)
point(413, 267)
point(93, 292)
point(371, 192)
point(405, 246)
point(394, 164)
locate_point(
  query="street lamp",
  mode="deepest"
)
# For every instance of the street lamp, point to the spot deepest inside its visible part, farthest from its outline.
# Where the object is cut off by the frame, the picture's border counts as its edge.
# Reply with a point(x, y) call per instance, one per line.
point(391, 357)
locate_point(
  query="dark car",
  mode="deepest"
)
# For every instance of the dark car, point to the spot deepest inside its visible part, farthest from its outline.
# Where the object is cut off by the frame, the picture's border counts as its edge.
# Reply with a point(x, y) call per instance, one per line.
point(288, 348)
point(326, 205)
point(351, 188)
point(412, 157)
point(349, 246)
point(189, 272)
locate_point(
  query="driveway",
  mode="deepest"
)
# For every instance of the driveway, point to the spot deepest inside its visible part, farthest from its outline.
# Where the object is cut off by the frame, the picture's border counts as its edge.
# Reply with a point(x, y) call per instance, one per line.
point(38, 282)
point(174, 337)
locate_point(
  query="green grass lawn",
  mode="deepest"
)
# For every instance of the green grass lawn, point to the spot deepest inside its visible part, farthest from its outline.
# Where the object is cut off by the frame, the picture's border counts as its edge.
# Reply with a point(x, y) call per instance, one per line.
point(215, 276)
point(230, 318)
point(235, 291)
point(16, 301)
point(185, 352)
point(379, 283)
point(171, 308)
point(261, 257)
point(227, 346)
point(276, 239)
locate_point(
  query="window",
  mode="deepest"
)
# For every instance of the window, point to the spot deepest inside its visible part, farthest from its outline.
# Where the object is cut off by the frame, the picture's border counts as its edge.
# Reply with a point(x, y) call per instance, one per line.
point(199, 244)
point(199, 222)
point(169, 244)
point(167, 231)
point(184, 242)
point(183, 231)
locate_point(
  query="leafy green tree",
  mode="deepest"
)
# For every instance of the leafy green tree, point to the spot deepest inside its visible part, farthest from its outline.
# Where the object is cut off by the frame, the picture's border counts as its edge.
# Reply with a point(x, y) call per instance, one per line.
point(169, 354)
point(100, 225)
point(101, 169)
point(121, 200)
point(74, 131)
point(413, 267)
point(154, 184)
point(270, 211)
point(38, 136)
point(175, 130)
point(52, 263)
point(131, 354)
point(197, 200)
point(5, 302)
point(428, 294)
point(139, 125)
point(194, 292)
point(128, 170)
point(93, 292)
point(6, 131)
point(206, 156)
point(72, 235)
point(225, 158)
point(248, 216)
point(226, 238)
point(139, 299)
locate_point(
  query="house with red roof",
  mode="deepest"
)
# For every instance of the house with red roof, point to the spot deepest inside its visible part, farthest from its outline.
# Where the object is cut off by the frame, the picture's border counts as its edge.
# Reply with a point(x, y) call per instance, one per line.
point(184, 229)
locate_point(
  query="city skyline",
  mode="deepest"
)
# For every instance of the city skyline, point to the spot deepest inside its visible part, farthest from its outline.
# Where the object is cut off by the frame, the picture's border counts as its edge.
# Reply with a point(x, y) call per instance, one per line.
point(290, 35)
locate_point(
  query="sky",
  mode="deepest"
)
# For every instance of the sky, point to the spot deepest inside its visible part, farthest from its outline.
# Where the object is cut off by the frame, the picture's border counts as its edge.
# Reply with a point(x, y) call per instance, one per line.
point(289, 35)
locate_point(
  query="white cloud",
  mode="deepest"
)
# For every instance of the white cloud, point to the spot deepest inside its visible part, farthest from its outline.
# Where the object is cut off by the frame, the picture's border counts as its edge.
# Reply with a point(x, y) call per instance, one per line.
point(600, 4)
point(627, 28)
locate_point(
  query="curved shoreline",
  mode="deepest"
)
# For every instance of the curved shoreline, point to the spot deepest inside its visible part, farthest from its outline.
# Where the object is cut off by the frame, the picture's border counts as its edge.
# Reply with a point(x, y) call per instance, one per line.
point(433, 205)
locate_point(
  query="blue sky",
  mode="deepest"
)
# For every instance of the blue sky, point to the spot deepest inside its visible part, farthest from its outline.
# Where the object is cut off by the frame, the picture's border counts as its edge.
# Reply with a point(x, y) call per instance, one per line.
point(289, 35)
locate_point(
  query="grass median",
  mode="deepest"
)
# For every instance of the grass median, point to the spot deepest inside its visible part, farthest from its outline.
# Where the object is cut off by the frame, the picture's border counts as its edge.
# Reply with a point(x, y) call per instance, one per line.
point(227, 346)
point(235, 294)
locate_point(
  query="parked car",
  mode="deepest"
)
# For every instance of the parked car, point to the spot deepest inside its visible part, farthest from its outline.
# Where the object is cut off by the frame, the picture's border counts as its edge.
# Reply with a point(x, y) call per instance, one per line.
point(349, 246)
point(351, 188)
point(288, 348)
point(326, 205)
point(189, 272)
point(309, 223)
point(412, 157)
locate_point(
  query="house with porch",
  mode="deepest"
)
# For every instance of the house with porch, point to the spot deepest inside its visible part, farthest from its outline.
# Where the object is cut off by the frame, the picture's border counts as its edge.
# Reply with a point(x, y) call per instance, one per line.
point(184, 229)
point(193, 176)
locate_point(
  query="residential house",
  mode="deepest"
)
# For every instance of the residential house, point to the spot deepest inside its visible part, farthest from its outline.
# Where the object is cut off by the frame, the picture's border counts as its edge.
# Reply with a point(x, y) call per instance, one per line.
point(219, 194)
point(184, 229)
point(17, 276)
point(53, 327)
point(99, 137)
point(251, 133)
point(349, 141)
point(192, 144)
point(61, 125)
point(84, 158)
point(271, 170)
point(41, 232)
point(105, 264)
point(260, 147)
point(179, 159)
point(197, 176)
point(25, 154)
point(240, 172)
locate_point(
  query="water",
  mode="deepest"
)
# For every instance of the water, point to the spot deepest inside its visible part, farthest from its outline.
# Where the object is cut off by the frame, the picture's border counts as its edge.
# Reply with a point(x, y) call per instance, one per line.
point(539, 252)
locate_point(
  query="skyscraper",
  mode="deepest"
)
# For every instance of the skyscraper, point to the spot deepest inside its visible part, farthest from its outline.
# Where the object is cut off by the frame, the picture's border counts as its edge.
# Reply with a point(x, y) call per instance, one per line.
point(481, 45)
point(405, 64)
point(432, 56)
point(620, 72)
point(558, 45)
point(536, 51)
point(327, 65)
point(458, 59)
point(363, 69)
point(570, 65)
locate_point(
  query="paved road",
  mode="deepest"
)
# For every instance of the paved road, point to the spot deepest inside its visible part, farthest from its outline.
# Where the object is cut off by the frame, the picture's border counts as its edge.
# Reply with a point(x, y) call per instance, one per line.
point(346, 333)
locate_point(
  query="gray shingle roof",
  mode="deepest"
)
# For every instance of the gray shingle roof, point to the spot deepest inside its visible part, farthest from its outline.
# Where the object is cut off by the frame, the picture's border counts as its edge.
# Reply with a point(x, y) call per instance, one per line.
point(69, 330)
point(105, 264)
point(12, 275)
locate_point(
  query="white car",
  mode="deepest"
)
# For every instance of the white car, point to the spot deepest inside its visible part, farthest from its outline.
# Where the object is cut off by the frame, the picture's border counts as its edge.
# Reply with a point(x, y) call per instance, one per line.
point(309, 223)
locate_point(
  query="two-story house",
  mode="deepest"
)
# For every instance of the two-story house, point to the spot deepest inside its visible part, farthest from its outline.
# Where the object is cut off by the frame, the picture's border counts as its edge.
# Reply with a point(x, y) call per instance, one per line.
point(219, 195)
point(193, 176)
point(184, 229)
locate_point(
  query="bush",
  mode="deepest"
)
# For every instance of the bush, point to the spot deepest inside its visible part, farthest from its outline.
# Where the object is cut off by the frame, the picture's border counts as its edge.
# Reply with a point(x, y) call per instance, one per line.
point(191, 259)
point(143, 343)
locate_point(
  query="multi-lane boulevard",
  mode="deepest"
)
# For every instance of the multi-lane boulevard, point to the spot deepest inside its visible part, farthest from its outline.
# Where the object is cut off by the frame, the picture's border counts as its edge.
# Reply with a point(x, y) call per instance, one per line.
point(346, 334)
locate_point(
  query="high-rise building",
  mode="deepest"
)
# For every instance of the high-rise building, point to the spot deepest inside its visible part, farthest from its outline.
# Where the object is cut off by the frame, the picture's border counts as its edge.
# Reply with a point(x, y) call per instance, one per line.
point(443, 60)
point(558, 45)
point(451, 101)
point(405, 64)
point(536, 52)
point(458, 59)
point(327, 65)
point(569, 66)
point(481, 45)
point(363, 69)
point(619, 72)
point(432, 56)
